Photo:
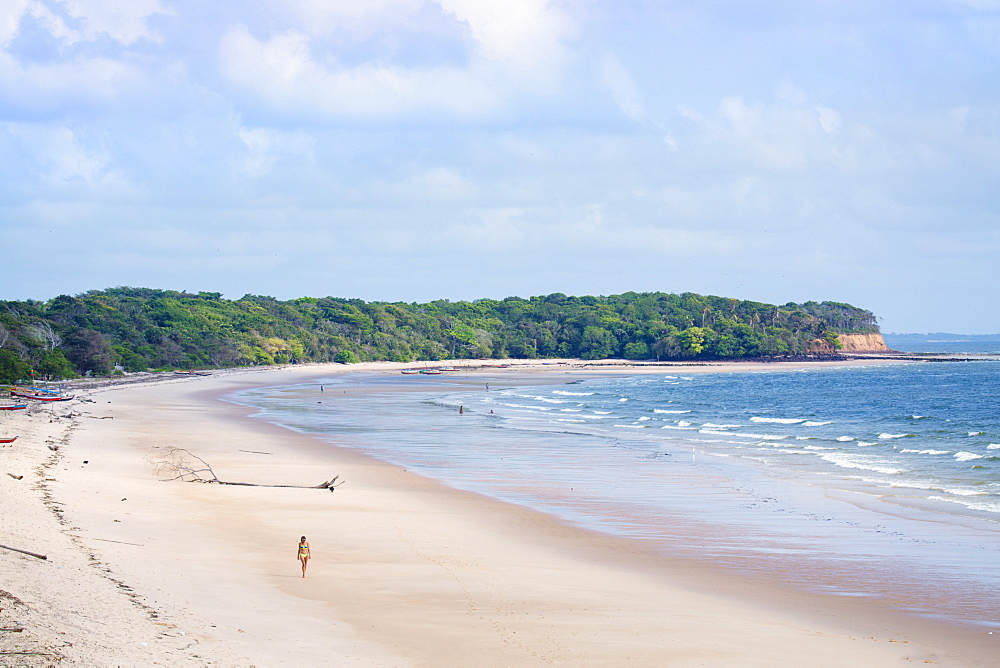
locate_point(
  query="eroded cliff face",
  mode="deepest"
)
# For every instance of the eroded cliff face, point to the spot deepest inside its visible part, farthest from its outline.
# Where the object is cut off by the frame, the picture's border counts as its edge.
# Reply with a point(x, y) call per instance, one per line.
point(851, 343)
point(863, 343)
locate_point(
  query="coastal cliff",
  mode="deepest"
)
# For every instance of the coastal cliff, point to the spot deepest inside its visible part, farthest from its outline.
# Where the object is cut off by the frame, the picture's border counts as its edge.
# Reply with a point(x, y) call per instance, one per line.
point(863, 343)
point(851, 343)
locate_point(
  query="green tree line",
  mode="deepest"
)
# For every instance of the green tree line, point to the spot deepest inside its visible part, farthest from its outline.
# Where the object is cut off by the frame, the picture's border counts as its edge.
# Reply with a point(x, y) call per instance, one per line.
point(137, 329)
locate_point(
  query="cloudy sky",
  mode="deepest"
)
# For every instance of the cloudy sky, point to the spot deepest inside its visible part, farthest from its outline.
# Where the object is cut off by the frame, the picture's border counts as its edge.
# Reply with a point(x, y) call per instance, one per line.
point(782, 150)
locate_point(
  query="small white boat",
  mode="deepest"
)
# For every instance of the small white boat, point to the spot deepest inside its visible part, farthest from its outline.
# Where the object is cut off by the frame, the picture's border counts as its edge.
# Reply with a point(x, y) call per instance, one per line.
point(408, 372)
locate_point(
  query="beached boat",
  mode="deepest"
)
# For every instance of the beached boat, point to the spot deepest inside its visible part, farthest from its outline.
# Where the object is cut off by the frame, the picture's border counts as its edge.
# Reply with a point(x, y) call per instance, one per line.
point(14, 407)
point(431, 372)
point(38, 397)
point(448, 368)
point(8, 439)
point(408, 372)
point(31, 389)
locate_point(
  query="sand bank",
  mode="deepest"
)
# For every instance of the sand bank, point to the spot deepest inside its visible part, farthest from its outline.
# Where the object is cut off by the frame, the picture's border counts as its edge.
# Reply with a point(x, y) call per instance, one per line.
point(406, 572)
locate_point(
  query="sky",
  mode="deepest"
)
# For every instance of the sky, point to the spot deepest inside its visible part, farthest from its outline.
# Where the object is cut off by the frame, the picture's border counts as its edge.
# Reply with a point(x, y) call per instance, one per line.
point(412, 150)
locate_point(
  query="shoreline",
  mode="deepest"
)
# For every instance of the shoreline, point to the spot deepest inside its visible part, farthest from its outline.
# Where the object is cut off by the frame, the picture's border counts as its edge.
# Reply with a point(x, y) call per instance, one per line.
point(735, 511)
point(421, 574)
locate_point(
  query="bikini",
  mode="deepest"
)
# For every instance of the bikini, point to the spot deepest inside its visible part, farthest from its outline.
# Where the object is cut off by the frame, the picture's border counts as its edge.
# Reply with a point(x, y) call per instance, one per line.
point(303, 551)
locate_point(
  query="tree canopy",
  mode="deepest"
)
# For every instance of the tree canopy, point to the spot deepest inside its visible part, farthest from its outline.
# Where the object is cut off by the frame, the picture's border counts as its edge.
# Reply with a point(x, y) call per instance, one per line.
point(135, 329)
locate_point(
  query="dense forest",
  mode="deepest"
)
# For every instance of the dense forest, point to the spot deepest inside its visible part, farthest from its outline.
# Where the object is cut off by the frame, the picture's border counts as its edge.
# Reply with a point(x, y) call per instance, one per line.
point(137, 329)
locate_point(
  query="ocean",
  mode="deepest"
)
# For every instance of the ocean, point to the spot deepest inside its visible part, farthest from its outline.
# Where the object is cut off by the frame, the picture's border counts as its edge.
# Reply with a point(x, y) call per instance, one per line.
point(880, 481)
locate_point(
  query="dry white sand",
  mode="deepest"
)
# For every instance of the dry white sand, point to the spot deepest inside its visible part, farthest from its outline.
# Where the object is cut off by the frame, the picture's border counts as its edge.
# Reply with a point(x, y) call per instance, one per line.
point(405, 571)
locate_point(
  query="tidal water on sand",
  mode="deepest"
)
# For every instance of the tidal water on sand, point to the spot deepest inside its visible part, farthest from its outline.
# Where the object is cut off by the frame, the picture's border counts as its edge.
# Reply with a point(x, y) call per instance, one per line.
point(879, 481)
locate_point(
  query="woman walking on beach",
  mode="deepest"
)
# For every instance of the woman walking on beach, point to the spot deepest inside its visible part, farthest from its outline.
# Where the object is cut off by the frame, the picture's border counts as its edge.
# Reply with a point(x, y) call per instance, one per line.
point(303, 554)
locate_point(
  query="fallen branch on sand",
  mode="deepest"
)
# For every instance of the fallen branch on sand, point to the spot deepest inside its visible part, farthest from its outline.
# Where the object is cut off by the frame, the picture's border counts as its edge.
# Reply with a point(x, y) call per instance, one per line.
point(31, 554)
point(180, 464)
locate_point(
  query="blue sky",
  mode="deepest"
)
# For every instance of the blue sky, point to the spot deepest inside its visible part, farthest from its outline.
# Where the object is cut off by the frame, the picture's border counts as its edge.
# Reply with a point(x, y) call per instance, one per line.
point(413, 150)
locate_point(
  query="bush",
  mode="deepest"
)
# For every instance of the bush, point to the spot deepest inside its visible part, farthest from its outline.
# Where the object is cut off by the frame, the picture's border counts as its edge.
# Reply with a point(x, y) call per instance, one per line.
point(12, 367)
point(346, 357)
point(636, 351)
point(55, 365)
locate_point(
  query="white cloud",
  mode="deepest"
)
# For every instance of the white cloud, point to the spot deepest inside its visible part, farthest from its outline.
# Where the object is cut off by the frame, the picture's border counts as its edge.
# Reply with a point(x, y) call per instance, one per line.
point(283, 72)
point(322, 17)
point(124, 22)
point(12, 13)
point(785, 136)
point(623, 89)
point(512, 48)
point(829, 119)
point(10, 19)
point(37, 87)
point(63, 161)
point(521, 33)
point(266, 146)
point(980, 5)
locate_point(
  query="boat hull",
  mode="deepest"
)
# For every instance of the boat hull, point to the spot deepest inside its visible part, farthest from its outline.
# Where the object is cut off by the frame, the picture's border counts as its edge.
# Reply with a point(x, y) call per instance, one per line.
point(39, 397)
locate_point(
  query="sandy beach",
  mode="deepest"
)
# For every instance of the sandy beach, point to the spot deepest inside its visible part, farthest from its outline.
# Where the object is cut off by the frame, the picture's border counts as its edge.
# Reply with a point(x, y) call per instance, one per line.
point(405, 571)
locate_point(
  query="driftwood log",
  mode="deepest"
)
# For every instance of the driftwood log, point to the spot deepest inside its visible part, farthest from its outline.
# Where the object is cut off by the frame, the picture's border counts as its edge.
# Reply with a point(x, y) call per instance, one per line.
point(181, 464)
point(31, 554)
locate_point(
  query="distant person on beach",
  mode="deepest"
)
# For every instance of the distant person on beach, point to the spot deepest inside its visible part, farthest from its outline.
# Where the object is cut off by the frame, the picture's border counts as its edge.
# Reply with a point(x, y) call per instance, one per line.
point(303, 554)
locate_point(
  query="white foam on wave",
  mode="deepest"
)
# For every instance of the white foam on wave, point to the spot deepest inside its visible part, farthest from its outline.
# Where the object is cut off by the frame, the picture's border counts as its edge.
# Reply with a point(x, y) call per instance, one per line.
point(964, 456)
point(712, 425)
point(993, 446)
point(987, 507)
point(665, 412)
point(778, 420)
point(918, 417)
point(957, 491)
point(976, 433)
point(632, 426)
point(811, 423)
point(759, 437)
point(623, 399)
point(865, 444)
point(685, 427)
point(602, 412)
point(530, 408)
point(928, 452)
point(572, 394)
point(644, 418)
point(550, 401)
point(683, 423)
point(845, 439)
point(885, 437)
point(570, 410)
point(861, 462)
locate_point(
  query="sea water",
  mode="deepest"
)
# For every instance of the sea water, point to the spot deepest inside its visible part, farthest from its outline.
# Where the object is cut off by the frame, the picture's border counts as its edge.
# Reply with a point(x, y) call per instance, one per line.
point(879, 481)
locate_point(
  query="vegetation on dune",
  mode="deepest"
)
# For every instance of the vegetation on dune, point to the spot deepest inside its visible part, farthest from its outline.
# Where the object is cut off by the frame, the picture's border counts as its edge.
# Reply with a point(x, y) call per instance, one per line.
point(135, 329)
